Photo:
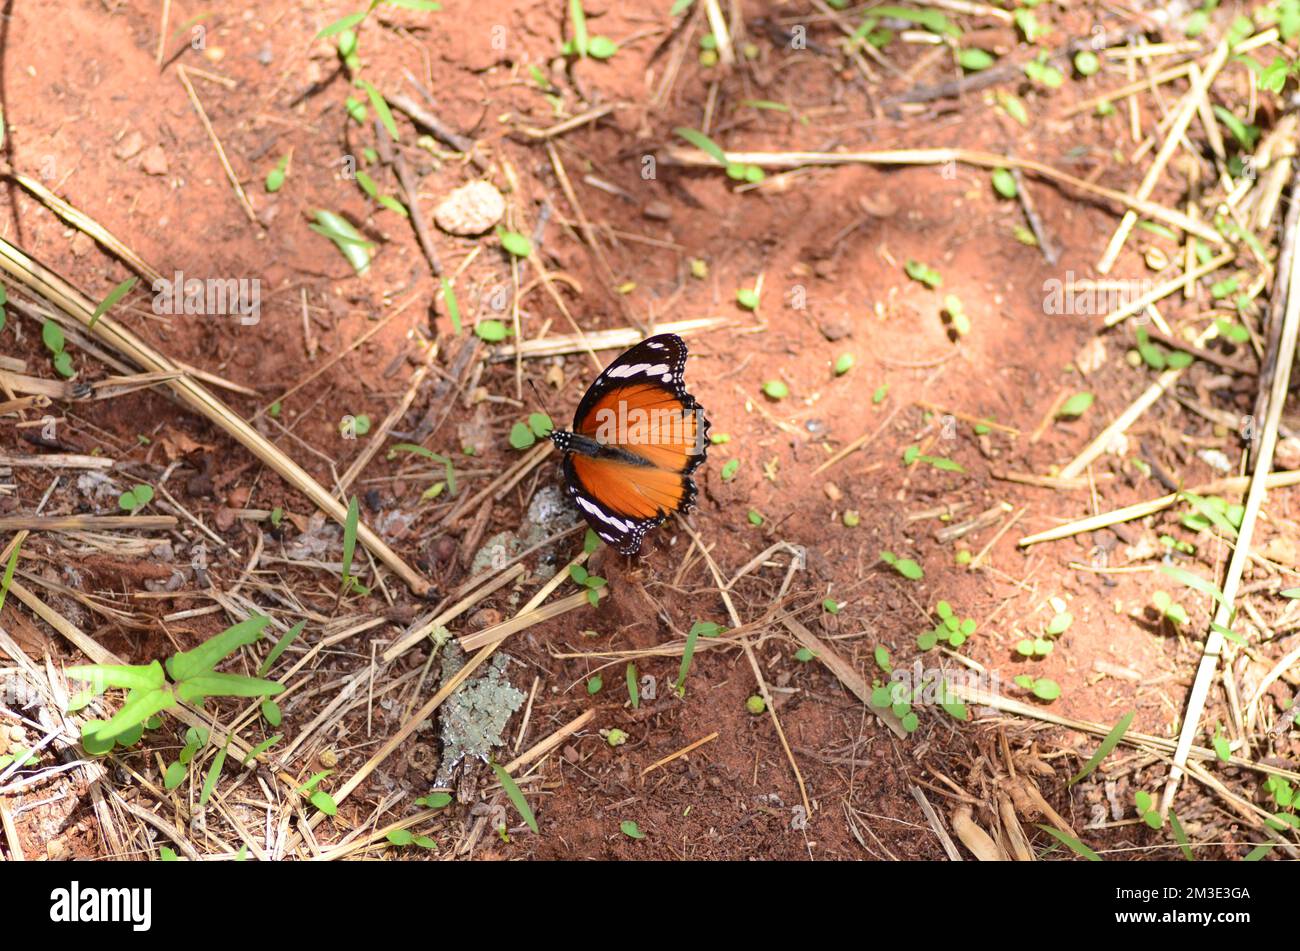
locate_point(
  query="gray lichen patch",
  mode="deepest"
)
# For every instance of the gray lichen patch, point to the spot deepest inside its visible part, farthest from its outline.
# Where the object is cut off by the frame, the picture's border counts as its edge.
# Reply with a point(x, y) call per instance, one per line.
point(474, 717)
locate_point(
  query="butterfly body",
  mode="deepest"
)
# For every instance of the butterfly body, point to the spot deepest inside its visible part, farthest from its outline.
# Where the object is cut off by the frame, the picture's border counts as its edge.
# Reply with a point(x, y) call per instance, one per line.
point(637, 436)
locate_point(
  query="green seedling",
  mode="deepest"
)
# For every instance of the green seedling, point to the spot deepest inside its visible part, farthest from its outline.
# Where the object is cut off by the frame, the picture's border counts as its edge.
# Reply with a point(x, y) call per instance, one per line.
point(734, 170)
point(350, 242)
point(951, 629)
point(538, 426)
point(516, 797)
point(275, 177)
point(1146, 809)
point(1075, 406)
point(906, 567)
point(630, 829)
point(444, 461)
point(1169, 609)
point(491, 331)
point(115, 295)
point(1004, 183)
point(135, 498)
point(776, 389)
point(1041, 687)
point(349, 584)
point(515, 243)
point(923, 273)
point(52, 337)
point(189, 677)
point(974, 59)
point(1043, 72)
point(405, 837)
point(593, 583)
point(453, 306)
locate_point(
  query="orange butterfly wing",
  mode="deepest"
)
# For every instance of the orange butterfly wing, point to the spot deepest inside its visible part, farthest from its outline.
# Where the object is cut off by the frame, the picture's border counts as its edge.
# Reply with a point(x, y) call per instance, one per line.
point(639, 408)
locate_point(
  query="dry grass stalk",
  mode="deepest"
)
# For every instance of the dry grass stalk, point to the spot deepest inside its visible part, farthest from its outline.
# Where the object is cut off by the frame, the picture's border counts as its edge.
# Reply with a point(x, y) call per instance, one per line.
point(942, 156)
point(1107, 437)
point(1161, 291)
point(854, 682)
point(456, 610)
point(216, 143)
point(1215, 641)
point(724, 591)
point(84, 223)
point(621, 339)
point(1276, 480)
point(87, 523)
point(688, 748)
point(57, 460)
point(491, 636)
point(196, 397)
point(1187, 110)
point(539, 750)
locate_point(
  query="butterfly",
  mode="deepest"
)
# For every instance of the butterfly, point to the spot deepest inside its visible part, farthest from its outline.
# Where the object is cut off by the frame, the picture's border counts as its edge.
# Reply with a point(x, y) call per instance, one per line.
point(637, 437)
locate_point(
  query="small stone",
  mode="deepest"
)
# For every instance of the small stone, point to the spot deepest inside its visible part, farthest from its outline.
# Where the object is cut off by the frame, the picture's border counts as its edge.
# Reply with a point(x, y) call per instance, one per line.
point(82, 244)
point(471, 209)
point(833, 329)
point(328, 758)
point(155, 161)
point(833, 492)
point(658, 211)
point(130, 146)
point(483, 618)
point(878, 204)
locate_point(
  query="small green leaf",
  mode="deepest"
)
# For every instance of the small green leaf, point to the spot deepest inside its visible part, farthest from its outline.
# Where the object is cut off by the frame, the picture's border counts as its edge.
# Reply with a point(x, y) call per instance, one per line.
point(631, 829)
point(115, 295)
point(974, 59)
point(1086, 62)
point(280, 647)
point(324, 802)
point(214, 773)
point(345, 23)
point(206, 656)
point(1071, 842)
point(1109, 743)
point(515, 243)
point(703, 143)
point(1046, 689)
point(521, 436)
point(52, 336)
point(271, 711)
point(381, 108)
point(491, 331)
point(601, 47)
point(515, 796)
point(1004, 183)
point(1076, 405)
point(923, 273)
point(776, 389)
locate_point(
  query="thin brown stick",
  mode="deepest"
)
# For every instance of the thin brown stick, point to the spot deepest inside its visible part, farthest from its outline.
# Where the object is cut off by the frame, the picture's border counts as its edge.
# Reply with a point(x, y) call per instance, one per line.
point(216, 142)
point(688, 748)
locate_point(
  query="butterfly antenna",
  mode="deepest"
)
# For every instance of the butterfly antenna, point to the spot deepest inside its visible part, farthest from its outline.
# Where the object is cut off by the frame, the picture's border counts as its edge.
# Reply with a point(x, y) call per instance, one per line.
point(540, 400)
